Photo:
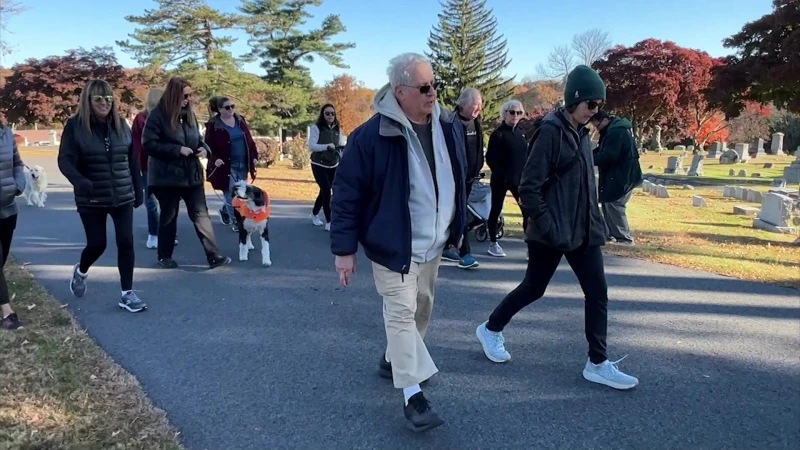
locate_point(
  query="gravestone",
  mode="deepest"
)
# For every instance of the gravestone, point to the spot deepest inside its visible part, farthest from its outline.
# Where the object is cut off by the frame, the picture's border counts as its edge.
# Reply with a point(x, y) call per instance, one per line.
point(729, 157)
point(716, 147)
point(650, 166)
point(674, 165)
point(754, 196)
point(738, 192)
point(647, 187)
point(775, 214)
point(53, 140)
point(743, 151)
point(688, 187)
point(661, 191)
point(742, 210)
point(767, 165)
point(792, 173)
point(757, 148)
point(728, 191)
point(755, 175)
point(742, 173)
point(778, 182)
point(732, 173)
point(696, 169)
point(776, 148)
point(698, 201)
point(680, 147)
point(690, 148)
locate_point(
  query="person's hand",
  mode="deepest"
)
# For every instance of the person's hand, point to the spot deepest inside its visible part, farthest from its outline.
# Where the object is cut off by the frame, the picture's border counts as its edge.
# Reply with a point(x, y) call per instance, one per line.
point(186, 151)
point(345, 266)
point(331, 147)
point(137, 202)
point(202, 153)
point(84, 187)
point(218, 163)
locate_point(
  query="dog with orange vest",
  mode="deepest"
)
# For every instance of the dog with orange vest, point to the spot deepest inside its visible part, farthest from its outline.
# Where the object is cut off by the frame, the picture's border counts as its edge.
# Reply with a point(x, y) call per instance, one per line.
point(251, 207)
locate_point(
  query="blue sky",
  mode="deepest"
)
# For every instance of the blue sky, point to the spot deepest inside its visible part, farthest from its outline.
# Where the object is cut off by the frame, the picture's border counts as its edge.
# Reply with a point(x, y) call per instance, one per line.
point(383, 28)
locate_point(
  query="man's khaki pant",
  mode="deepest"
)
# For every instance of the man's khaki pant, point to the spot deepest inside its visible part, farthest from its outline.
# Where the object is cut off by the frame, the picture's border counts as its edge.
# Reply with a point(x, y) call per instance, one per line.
point(407, 306)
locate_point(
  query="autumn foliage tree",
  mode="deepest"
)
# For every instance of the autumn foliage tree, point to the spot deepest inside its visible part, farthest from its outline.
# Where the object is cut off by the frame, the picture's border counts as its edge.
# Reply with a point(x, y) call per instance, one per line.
point(752, 123)
point(46, 91)
point(351, 99)
point(766, 67)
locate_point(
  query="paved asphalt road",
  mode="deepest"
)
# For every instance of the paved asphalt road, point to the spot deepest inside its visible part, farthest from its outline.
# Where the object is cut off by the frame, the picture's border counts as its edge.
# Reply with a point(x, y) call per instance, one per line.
point(251, 358)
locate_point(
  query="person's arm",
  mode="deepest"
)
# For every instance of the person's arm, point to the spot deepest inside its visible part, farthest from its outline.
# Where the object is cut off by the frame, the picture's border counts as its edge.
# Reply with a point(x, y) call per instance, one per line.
point(342, 139)
point(151, 138)
point(352, 181)
point(492, 151)
point(68, 159)
point(613, 143)
point(136, 177)
point(19, 171)
point(313, 137)
point(136, 140)
point(536, 171)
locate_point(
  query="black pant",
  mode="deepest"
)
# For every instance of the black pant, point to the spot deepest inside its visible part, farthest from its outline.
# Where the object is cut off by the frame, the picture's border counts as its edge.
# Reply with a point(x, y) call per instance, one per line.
point(499, 188)
point(465, 250)
point(587, 264)
point(324, 178)
point(94, 225)
point(169, 198)
point(7, 227)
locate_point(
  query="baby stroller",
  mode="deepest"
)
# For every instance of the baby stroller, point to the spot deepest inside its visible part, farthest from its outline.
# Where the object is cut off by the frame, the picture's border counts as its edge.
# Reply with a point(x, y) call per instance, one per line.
point(479, 204)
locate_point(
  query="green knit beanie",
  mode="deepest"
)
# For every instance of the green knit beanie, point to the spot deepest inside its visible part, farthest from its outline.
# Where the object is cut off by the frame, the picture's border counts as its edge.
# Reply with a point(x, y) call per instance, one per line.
point(583, 83)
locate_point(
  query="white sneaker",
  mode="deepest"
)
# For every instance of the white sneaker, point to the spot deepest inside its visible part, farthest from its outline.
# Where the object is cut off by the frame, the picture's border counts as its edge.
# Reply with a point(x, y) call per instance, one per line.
point(608, 373)
point(316, 221)
point(492, 343)
point(496, 251)
point(328, 226)
point(152, 241)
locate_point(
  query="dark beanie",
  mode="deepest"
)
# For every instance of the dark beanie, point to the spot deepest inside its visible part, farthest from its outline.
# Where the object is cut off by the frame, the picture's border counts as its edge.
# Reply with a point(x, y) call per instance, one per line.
point(583, 83)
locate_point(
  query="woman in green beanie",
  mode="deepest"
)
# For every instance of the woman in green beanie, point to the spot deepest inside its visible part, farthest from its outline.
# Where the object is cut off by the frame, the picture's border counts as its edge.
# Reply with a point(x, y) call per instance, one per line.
point(559, 197)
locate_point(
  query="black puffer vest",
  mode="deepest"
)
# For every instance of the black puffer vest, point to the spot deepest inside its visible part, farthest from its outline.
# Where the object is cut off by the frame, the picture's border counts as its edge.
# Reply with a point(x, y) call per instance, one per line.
point(103, 159)
point(328, 158)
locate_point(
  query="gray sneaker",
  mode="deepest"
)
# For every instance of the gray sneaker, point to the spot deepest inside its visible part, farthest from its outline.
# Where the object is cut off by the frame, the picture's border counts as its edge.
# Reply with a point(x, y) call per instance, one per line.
point(132, 302)
point(77, 285)
point(493, 344)
point(496, 251)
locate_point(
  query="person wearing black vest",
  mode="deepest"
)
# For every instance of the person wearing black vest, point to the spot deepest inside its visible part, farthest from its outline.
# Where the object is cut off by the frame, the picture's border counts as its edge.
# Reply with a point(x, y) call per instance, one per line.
point(325, 141)
point(173, 142)
point(96, 156)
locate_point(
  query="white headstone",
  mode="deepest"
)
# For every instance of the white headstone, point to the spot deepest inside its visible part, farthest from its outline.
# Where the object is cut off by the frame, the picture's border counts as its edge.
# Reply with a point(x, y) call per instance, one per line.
point(791, 173)
point(743, 150)
point(754, 196)
point(776, 209)
point(776, 148)
point(647, 186)
point(729, 157)
point(680, 147)
point(53, 137)
point(758, 147)
point(661, 191)
point(698, 201)
point(674, 165)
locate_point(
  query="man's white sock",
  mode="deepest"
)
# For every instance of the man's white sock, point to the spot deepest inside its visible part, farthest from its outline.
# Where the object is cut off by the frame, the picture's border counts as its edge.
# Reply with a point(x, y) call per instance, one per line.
point(409, 392)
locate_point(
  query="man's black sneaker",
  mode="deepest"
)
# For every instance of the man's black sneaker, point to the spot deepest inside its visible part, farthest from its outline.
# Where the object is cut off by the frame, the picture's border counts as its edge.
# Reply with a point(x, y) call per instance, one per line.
point(218, 261)
point(224, 217)
point(385, 370)
point(420, 415)
point(167, 263)
point(11, 322)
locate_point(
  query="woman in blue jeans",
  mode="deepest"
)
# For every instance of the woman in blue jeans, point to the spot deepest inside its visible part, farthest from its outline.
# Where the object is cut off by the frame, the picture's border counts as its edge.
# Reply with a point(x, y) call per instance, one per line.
point(233, 152)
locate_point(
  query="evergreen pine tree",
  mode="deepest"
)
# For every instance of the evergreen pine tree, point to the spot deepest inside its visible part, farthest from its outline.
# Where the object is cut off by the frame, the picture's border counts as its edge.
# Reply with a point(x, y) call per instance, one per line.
point(465, 51)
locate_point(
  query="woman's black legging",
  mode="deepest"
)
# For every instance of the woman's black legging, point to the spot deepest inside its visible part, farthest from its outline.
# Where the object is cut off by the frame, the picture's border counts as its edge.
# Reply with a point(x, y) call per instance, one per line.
point(94, 225)
point(499, 188)
point(7, 227)
point(324, 178)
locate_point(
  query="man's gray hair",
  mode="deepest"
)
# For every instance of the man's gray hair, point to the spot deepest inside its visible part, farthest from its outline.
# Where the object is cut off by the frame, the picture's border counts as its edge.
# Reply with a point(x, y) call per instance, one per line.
point(508, 105)
point(400, 67)
point(469, 96)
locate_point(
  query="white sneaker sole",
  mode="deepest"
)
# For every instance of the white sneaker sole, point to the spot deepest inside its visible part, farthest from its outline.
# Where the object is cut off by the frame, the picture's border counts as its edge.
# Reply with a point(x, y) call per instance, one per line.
point(486, 350)
point(496, 255)
point(128, 308)
point(595, 378)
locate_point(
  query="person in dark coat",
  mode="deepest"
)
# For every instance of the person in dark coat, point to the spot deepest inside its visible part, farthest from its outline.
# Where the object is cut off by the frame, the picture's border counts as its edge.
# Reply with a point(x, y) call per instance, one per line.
point(508, 148)
point(96, 156)
point(12, 185)
point(617, 161)
point(468, 110)
point(233, 152)
point(173, 142)
point(558, 195)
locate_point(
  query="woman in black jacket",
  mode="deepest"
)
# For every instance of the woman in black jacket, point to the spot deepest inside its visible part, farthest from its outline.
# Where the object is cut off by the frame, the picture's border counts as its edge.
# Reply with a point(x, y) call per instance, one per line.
point(96, 156)
point(172, 140)
point(505, 156)
point(559, 196)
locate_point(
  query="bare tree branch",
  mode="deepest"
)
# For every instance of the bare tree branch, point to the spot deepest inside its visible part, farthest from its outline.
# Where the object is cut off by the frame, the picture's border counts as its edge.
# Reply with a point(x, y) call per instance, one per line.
point(560, 61)
point(8, 8)
point(590, 45)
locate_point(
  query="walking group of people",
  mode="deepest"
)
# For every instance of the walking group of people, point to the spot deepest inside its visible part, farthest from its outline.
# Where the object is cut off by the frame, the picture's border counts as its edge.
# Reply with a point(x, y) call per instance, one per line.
point(401, 189)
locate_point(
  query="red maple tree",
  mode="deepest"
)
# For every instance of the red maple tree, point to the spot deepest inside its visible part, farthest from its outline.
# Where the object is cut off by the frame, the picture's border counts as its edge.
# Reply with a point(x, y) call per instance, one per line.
point(353, 101)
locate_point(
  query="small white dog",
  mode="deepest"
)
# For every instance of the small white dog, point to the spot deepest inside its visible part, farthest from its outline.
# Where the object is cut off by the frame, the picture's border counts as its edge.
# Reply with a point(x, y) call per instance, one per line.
point(35, 186)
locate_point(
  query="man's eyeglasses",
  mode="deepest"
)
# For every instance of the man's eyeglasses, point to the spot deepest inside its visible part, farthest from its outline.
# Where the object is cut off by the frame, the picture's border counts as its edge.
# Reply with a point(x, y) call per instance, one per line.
point(515, 112)
point(424, 89)
point(594, 105)
point(103, 98)
point(229, 107)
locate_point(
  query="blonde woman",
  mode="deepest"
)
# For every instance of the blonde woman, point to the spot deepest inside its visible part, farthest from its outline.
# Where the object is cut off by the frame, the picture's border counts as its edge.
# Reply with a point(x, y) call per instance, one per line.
point(96, 156)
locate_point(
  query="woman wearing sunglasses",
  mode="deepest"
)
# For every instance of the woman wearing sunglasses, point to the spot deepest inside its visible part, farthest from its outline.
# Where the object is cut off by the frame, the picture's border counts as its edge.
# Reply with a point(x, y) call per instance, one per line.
point(325, 140)
point(505, 156)
point(174, 145)
point(559, 196)
point(96, 156)
point(233, 152)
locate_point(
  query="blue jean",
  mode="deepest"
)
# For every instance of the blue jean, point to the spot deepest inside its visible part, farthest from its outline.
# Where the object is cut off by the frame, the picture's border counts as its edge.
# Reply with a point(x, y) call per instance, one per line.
point(238, 172)
point(151, 204)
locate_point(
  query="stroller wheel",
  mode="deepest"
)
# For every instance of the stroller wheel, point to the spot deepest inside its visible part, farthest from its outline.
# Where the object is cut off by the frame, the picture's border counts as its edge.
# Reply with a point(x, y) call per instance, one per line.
point(481, 234)
point(501, 229)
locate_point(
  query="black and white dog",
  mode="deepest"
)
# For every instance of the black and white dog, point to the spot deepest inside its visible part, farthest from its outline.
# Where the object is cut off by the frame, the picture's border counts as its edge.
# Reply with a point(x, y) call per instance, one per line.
point(251, 207)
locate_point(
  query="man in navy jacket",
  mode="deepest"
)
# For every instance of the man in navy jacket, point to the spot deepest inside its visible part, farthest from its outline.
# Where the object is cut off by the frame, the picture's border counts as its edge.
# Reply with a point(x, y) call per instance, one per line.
point(399, 191)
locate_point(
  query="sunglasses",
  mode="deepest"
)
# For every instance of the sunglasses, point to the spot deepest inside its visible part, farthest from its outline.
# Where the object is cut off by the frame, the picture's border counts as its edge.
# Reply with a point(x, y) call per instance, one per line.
point(229, 107)
point(103, 98)
point(187, 96)
point(515, 112)
point(594, 105)
point(424, 89)
point(330, 114)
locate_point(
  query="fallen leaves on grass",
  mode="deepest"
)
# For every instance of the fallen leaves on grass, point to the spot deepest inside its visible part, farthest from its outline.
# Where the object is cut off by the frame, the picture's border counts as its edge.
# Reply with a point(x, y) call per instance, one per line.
point(59, 390)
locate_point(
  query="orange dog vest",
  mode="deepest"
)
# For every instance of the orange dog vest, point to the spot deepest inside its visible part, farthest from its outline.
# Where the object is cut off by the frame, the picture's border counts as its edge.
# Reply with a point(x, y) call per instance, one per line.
point(255, 216)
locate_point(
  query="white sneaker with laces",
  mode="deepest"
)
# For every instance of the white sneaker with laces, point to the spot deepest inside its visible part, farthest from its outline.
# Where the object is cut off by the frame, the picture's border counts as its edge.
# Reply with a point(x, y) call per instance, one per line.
point(316, 221)
point(152, 241)
point(496, 251)
point(608, 373)
point(493, 344)
point(328, 226)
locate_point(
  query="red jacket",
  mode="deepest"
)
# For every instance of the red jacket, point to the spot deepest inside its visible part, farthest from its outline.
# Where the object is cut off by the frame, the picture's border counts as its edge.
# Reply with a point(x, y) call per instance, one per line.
point(220, 143)
point(136, 135)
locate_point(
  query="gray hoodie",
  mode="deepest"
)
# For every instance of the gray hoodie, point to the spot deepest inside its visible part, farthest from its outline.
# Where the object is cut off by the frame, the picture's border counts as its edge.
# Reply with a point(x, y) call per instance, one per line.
point(430, 220)
point(12, 175)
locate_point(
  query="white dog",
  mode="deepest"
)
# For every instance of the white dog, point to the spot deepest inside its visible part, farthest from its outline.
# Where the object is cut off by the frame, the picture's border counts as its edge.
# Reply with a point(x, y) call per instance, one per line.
point(35, 186)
